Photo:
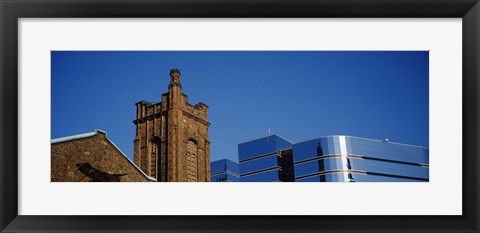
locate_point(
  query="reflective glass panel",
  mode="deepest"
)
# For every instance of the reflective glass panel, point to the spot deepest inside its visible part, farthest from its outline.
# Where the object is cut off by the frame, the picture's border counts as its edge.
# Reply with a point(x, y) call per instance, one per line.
point(268, 176)
point(360, 147)
point(356, 177)
point(259, 164)
point(316, 148)
point(363, 165)
point(387, 150)
point(224, 177)
point(261, 146)
point(224, 165)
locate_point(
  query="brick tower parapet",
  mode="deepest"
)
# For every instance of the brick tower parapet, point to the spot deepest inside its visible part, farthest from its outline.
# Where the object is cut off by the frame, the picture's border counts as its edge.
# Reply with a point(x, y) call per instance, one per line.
point(171, 141)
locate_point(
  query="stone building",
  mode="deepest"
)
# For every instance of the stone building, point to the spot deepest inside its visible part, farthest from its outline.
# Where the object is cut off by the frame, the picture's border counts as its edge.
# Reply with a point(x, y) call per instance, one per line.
point(171, 141)
point(92, 157)
point(171, 145)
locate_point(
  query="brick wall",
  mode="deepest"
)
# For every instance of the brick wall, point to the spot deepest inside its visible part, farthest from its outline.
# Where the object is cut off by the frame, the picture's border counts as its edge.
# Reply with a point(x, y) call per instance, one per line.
point(96, 150)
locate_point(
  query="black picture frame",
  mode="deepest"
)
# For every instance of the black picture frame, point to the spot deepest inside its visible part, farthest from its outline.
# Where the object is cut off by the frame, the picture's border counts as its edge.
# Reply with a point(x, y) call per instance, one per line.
point(11, 11)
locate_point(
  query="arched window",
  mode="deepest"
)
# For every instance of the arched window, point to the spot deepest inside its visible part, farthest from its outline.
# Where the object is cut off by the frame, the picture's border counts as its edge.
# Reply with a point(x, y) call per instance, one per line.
point(155, 155)
point(192, 161)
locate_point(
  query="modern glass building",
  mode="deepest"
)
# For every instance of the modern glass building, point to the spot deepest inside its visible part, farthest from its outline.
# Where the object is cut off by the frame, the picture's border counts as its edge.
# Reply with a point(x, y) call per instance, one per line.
point(354, 159)
point(224, 170)
point(329, 159)
point(266, 159)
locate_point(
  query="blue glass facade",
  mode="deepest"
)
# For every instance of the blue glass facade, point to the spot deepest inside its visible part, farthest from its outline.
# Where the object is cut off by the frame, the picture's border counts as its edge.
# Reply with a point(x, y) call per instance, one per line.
point(224, 170)
point(329, 159)
point(266, 159)
point(353, 159)
point(261, 146)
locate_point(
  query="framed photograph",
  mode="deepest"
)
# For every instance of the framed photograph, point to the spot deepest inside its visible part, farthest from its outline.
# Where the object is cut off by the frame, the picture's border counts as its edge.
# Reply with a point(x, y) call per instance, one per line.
point(247, 116)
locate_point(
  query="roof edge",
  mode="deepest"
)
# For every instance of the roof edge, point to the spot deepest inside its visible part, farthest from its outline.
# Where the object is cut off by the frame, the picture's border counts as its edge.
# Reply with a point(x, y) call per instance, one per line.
point(364, 138)
point(73, 137)
point(273, 134)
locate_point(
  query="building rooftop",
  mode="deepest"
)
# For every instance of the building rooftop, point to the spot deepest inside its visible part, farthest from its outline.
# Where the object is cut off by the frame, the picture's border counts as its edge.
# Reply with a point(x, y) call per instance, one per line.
point(94, 133)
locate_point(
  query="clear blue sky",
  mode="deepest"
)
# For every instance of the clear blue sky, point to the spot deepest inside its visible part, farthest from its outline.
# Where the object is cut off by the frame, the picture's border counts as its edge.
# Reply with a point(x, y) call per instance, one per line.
point(299, 95)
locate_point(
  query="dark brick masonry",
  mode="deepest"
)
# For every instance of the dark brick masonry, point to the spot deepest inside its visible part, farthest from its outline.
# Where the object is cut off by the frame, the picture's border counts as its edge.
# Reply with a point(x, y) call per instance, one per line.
point(99, 153)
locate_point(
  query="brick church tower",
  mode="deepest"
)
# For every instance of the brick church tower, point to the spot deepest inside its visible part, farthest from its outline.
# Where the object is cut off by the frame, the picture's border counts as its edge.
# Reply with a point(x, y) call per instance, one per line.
point(171, 141)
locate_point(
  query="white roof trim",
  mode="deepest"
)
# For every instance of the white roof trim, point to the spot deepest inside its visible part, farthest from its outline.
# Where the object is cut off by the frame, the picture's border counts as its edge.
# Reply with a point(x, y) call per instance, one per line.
point(69, 138)
point(149, 177)
point(95, 132)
